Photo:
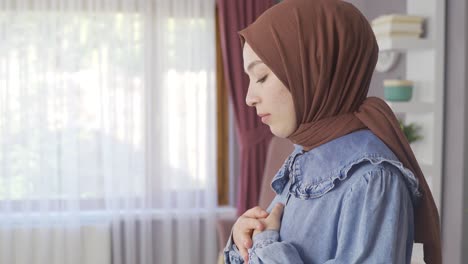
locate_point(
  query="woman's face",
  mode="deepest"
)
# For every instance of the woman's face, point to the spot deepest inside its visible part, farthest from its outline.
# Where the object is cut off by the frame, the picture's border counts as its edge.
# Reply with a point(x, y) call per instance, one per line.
point(269, 96)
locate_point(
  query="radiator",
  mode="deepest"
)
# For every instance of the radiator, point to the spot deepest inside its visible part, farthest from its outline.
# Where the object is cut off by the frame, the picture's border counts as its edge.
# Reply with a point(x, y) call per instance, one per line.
point(42, 244)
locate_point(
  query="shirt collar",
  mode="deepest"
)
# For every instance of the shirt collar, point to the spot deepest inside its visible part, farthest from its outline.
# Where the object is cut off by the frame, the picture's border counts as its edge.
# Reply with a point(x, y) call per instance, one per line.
point(328, 160)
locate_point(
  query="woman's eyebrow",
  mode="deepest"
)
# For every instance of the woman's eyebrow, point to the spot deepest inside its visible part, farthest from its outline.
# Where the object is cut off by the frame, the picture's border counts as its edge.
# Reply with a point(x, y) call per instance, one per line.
point(252, 64)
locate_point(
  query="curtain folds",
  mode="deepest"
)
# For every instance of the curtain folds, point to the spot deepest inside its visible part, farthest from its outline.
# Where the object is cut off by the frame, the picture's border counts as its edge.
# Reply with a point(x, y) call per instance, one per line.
point(107, 131)
point(252, 135)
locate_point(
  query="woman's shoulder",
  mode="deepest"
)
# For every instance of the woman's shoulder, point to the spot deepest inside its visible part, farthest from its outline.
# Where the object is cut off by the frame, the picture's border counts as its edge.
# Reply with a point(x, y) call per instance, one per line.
point(382, 180)
point(318, 171)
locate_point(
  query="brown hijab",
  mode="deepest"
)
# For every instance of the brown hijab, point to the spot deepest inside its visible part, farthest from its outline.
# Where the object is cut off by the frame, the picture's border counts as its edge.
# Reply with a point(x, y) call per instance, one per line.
point(325, 52)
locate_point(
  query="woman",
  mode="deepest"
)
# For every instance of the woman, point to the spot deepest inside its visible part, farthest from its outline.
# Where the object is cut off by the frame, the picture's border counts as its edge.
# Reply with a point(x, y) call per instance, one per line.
point(352, 190)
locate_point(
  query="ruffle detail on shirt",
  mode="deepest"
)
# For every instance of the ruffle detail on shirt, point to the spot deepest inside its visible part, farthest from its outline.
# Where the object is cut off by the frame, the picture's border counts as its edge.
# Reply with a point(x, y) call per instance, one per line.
point(282, 176)
point(306, 191)
point(264, 239)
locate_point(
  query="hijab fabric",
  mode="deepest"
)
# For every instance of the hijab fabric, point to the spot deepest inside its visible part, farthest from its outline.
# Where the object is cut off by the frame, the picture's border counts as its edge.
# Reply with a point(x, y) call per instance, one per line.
point(325, 52)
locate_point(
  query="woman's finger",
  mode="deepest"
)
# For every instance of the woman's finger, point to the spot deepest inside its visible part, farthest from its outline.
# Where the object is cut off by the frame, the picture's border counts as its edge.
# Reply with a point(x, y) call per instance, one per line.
point(243, 240)
point(247, 240)
point(246, 224)
point(273, 221)
point(242, 231)
point(256, 212)
point(244, 253)
point(277, 211)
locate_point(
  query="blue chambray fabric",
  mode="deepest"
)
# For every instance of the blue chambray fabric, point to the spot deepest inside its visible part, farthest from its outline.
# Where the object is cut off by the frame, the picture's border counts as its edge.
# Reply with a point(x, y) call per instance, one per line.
point(347, 201)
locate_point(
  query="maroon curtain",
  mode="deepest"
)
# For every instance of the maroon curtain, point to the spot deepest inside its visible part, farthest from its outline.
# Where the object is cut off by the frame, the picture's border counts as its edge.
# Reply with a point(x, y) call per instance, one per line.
point(253, 135)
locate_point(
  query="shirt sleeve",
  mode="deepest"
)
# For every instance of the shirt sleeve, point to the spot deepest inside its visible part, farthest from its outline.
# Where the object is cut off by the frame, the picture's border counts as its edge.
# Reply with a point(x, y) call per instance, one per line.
point(376, 224)
point(231, 253)
point(268, 249)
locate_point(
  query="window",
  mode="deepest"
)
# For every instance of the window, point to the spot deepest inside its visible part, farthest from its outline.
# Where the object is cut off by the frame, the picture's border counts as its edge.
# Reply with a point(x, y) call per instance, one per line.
point(74, 104)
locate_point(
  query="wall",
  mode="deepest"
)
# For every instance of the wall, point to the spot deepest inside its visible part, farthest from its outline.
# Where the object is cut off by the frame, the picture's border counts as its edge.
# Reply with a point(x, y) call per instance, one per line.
point(455, 187)
point(373, 9)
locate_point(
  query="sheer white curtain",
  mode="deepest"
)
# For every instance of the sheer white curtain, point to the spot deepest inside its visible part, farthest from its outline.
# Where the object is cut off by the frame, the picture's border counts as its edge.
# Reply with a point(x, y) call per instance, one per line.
point(107, 131)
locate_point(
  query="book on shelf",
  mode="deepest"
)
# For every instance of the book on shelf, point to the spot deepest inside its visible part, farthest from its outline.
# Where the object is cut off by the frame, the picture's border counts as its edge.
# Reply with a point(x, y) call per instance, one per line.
point(397, 18)
point(390, 35)
point(397, 27)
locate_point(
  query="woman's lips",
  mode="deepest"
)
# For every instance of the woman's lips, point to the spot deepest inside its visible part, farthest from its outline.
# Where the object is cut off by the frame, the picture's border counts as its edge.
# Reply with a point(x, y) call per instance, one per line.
point(264, 117)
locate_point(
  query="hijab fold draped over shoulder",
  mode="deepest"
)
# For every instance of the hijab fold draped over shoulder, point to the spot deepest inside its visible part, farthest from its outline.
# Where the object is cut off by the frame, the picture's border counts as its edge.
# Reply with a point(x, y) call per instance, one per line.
point(325, 52)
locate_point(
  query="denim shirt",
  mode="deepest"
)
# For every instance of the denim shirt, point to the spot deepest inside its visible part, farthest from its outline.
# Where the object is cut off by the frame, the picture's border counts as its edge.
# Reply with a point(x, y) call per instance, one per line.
point(347, 201)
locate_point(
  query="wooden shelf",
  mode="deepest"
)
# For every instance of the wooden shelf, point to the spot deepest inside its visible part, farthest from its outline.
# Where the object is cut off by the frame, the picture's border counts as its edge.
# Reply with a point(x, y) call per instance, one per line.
point(425, 61)
point(403, 44)
point(411, 107)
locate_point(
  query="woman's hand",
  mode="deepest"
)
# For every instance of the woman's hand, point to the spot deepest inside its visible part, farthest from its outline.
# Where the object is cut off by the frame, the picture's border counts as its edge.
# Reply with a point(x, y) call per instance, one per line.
point(273, 221)
point(244, 227)
point(252, 222)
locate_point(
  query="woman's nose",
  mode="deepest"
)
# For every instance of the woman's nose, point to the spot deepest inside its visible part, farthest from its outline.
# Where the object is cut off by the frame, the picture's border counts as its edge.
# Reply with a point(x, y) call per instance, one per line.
point(251, 99)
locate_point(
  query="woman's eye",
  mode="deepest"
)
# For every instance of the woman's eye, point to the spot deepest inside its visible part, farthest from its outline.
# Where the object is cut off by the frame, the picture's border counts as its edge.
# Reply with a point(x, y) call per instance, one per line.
point(262, 79)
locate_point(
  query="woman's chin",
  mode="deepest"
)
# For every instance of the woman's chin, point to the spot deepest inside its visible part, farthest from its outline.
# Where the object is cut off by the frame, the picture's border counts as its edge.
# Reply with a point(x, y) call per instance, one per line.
point(278, 133)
